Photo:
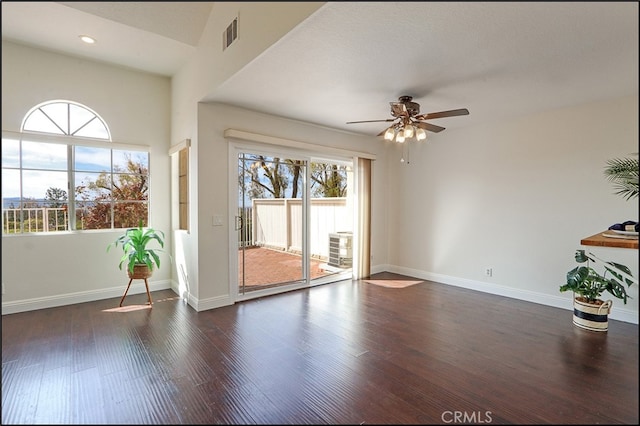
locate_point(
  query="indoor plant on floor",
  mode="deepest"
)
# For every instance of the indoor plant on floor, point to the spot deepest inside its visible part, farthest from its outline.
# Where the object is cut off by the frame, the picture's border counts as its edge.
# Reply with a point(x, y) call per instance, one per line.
point(590, 311)
point(139, 258)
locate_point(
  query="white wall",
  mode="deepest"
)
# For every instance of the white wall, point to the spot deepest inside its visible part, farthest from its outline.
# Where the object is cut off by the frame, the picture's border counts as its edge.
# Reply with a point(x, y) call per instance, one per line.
point(515, 196)
point(50, 270)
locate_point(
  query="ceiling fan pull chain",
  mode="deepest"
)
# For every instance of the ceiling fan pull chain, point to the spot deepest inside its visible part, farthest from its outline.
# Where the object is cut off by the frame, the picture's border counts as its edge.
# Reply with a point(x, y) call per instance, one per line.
point(405, 153)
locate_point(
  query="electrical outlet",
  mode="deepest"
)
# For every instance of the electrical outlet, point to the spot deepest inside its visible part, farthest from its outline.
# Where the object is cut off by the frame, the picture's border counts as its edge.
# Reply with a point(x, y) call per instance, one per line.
point(488, 272)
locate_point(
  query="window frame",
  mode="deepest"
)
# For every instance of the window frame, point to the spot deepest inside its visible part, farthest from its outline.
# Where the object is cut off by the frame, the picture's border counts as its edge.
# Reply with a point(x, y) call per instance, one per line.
point(183, 189)
point(70, 142)
point(181, 153)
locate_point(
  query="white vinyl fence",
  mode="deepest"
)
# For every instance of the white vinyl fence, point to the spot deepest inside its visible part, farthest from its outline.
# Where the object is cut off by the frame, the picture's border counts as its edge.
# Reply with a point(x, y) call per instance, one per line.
point(277, 223)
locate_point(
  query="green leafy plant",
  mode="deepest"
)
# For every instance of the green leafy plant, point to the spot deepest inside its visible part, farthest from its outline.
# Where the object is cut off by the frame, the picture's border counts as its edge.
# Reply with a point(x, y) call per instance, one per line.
point(134, 245)
point(585, 281)
point(623, 173)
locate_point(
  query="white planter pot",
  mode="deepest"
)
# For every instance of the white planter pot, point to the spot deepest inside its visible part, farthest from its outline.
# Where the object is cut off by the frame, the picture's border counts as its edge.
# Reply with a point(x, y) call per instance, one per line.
point(591, 316)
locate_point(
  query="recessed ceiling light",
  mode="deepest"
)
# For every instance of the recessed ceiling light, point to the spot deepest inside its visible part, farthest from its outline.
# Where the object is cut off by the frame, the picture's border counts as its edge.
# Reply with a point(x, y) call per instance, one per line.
point(87, 39)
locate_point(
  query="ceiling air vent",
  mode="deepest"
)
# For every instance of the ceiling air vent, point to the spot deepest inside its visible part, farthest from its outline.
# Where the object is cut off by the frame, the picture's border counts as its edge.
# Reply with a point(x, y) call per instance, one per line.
point(230, 34)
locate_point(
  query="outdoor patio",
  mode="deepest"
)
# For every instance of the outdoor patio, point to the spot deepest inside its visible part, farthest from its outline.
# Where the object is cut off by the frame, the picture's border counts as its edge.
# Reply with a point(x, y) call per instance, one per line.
point(265, 266)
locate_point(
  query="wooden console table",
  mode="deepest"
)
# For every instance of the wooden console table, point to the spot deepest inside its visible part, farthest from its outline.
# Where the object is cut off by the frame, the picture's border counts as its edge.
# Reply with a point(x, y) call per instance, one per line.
point(602, 241)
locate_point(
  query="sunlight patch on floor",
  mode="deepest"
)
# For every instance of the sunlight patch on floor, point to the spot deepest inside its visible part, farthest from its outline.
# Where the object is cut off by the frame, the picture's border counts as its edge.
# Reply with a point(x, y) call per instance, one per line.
point(128, 308)
point(393, 283)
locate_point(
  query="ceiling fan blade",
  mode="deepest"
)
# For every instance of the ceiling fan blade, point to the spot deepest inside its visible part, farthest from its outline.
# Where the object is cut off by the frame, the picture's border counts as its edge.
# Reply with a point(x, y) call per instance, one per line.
point(371, 121)
point(428, 126)
point(442, 114)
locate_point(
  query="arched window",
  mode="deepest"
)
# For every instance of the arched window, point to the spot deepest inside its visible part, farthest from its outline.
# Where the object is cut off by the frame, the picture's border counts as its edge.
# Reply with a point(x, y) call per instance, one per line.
point(65, 118)
point(62, 172)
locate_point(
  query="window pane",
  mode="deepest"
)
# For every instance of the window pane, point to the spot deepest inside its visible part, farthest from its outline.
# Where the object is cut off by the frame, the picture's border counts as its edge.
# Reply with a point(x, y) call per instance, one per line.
point(10, 186)
point(10, 201)
point(93, 186)
point(130, 161)
point(129, 214)
point(78, 117)
point(58, 112)
point(39, 122)
point(94, 129)
point(35, 184)
point(92, 159)
point(130, 187)
point(39, 155)
point(10, 152)
point(93, 215)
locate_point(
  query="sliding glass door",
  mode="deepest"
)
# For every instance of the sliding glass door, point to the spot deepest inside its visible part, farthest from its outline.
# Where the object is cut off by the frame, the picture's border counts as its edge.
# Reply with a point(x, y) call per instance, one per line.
point(270, 221)
point(294, 222)
point(331, 220)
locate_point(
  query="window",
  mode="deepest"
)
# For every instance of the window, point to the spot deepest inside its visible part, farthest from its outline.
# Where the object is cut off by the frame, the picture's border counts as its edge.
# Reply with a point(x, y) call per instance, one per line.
point(179, 154)
point(183, 188)
point(62, 172)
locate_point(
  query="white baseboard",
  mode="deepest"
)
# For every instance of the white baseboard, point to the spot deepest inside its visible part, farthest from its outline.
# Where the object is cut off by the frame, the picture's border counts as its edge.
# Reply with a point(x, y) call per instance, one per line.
point(376, 269)
point(197, 304)
point(79, 297)
point(617, 313)
point(212, 303)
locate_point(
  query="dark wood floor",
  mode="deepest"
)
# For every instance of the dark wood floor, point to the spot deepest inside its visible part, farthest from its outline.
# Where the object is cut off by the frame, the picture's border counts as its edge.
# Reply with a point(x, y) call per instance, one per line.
point(342, 353)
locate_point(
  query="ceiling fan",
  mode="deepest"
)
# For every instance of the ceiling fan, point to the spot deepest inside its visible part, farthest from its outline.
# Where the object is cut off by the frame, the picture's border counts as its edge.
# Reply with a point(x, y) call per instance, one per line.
point(409, 122)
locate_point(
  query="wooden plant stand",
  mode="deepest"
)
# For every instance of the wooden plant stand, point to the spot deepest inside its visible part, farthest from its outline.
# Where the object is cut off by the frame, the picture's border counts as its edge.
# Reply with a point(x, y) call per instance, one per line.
point(141, 272)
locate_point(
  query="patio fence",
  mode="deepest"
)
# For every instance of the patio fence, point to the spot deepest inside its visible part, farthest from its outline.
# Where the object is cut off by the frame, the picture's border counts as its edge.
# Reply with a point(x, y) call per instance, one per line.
point(277, 223)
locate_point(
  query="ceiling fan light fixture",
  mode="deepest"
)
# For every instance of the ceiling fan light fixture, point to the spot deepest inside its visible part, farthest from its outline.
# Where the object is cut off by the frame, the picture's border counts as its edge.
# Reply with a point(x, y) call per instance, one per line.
point(408, 131)
point(400, 137)
point(421, 134)
point(389, 134)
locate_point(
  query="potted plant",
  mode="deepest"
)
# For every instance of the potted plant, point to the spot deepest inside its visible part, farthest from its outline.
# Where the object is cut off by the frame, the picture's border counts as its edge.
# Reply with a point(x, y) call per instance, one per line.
point(138, 256)
point(590, 311)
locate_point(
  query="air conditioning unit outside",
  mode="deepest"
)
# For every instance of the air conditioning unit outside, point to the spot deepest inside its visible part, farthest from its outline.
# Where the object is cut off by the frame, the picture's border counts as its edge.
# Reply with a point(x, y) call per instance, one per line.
point(341, 249)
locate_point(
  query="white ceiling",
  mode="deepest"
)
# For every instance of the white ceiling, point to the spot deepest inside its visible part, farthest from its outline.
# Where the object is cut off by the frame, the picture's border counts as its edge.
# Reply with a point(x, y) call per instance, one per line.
point(350, 59)
point(157, 37)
